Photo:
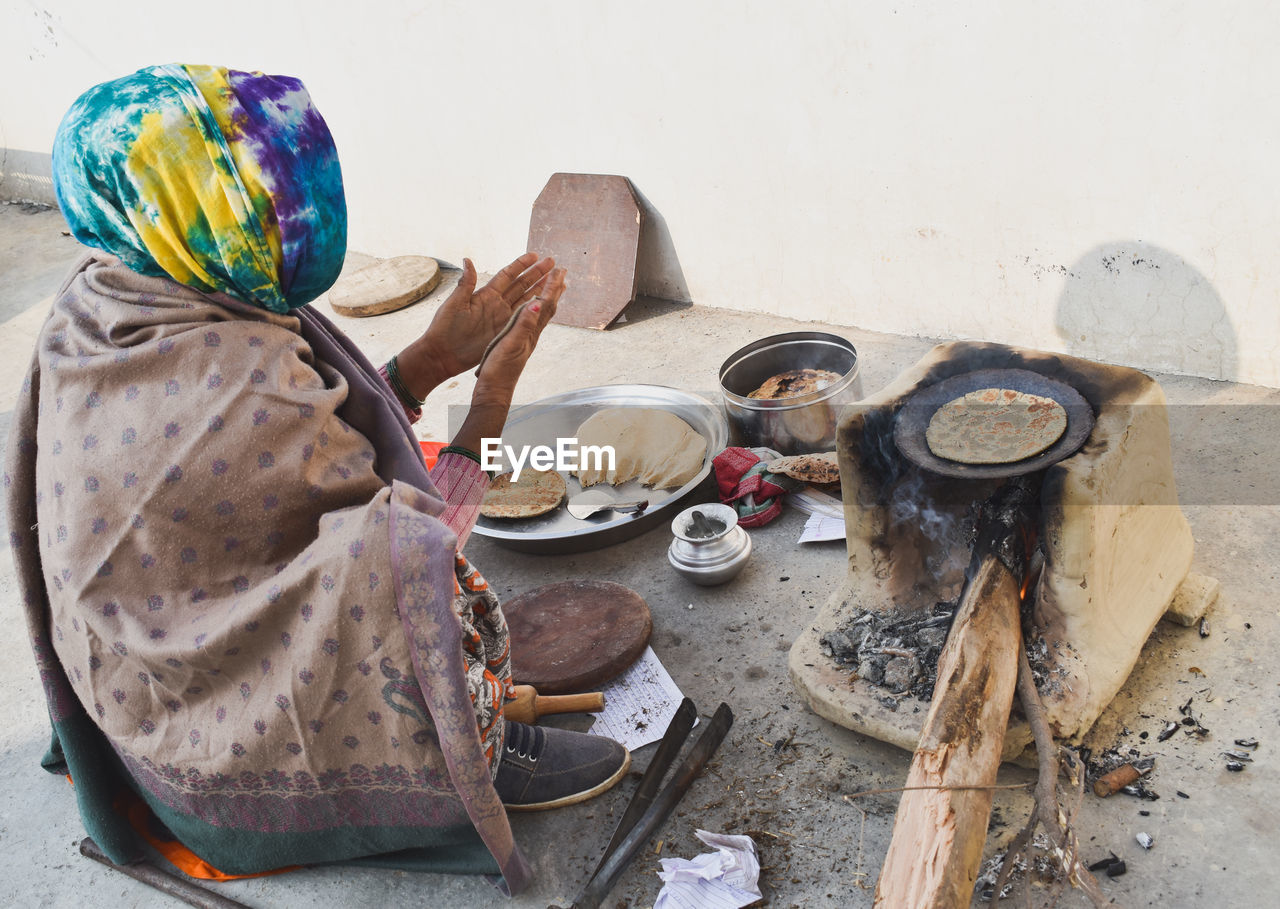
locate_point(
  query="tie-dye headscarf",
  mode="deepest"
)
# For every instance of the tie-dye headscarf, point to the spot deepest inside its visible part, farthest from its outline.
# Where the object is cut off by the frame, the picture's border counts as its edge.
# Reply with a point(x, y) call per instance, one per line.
point(222, 180)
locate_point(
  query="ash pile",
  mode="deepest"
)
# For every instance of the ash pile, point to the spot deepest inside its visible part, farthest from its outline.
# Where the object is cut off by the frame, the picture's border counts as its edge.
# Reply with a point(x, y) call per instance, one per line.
point(896, 653)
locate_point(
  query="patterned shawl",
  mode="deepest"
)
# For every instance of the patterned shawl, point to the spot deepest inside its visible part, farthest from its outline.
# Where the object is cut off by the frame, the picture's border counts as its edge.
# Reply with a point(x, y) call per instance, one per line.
point(239, 595)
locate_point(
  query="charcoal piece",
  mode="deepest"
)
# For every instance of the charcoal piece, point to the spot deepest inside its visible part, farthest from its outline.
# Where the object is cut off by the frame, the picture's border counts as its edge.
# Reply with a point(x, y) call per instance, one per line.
point(872, 670)
point(1235, 766)
point(1204, 627)
point(1181, 794)
point(839, 646)
point(899, 673)
point(1104, 863)
point(1239, 756)
point(932, 637)
point(1117, 868)
point(1247, 743)
point(1141, 790)
point(1167, 732)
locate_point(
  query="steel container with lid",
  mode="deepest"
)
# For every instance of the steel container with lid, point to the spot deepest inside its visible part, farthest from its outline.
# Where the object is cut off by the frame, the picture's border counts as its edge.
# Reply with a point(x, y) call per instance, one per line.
point(803, 424)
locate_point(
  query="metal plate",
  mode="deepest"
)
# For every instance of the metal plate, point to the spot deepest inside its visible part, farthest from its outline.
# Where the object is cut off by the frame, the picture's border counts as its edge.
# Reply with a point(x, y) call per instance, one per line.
point(558, 417)
point(913, 420)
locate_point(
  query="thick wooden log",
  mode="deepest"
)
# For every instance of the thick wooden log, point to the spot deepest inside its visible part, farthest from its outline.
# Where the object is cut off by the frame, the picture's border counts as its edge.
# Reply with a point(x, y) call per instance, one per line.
point(939, 832)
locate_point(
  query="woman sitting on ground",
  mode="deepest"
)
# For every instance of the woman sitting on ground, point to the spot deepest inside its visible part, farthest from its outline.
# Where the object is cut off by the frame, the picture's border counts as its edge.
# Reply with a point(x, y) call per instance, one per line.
point(245, 592)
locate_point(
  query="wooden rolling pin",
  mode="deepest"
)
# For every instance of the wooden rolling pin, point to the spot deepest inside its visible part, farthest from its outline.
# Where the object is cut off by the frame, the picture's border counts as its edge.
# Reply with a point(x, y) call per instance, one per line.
point(527, 705)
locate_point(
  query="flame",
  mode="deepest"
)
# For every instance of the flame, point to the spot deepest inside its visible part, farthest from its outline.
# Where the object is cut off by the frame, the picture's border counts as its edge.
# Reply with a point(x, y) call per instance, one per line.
point(1029, 541)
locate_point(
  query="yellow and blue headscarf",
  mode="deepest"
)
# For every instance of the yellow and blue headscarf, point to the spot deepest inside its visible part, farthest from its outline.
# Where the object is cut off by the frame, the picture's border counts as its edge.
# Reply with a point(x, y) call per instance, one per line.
point(222, 180)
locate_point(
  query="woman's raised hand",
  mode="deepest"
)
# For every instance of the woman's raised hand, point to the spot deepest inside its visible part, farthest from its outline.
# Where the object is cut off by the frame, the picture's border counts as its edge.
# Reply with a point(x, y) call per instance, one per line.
point(491, 398)
point(468, 320)
point(502, 367)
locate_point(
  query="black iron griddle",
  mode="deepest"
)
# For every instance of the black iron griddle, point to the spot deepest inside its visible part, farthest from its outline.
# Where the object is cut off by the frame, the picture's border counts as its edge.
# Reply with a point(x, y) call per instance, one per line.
point(916, 412)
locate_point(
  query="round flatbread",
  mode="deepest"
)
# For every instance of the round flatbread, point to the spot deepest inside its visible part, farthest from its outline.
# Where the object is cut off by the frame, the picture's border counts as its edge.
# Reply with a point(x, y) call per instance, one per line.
point(808, 468)
point(795, 382)
point(995, 426)
point(536, 492)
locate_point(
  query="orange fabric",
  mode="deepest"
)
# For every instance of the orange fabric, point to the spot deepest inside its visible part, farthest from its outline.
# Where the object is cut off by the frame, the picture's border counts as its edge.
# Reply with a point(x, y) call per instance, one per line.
point(138, 814)
point(431, 452)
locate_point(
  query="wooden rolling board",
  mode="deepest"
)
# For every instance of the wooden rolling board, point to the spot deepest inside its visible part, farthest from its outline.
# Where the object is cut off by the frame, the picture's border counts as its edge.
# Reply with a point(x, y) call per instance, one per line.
point(576, 635)
point(385, 286)
point(591, 225)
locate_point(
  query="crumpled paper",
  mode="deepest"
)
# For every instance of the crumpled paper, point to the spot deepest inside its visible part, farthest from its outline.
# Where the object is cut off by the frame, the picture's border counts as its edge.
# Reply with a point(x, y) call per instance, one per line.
point(725, 879)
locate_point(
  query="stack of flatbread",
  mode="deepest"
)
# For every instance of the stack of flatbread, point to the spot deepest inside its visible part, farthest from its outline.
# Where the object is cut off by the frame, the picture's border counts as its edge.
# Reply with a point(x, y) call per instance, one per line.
point(653, 446)
point(795, 382)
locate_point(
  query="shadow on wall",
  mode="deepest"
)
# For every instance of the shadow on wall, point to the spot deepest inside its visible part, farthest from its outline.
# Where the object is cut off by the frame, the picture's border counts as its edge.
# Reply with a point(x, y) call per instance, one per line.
point(26, 176)
point(1134, 303)
point(660, 283)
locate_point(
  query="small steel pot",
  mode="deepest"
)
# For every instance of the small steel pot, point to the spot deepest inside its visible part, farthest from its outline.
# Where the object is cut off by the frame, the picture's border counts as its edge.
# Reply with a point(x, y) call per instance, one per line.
point(708, 557)
point(799, 425)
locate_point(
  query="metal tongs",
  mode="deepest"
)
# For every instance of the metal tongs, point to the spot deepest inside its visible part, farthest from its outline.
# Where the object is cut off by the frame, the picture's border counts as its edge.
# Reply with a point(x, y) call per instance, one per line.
point(648, 807)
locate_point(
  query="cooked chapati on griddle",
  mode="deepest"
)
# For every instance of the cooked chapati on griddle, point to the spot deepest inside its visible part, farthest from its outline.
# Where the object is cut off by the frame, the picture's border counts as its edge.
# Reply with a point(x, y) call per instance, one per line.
point(536, 492)
point(808, 468)
point(995, 426)
point(795, 382)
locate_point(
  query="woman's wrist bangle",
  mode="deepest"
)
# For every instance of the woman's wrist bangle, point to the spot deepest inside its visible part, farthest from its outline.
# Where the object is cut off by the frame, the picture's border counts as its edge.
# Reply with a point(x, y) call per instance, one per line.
point(398, 386)
point(465, 452)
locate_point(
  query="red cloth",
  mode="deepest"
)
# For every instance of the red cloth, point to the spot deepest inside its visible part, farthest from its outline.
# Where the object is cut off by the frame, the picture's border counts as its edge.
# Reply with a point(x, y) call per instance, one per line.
point(736, 479)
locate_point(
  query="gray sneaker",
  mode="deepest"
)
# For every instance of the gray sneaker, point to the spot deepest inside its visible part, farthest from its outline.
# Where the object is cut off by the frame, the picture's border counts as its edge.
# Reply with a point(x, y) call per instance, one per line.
point(545, 767)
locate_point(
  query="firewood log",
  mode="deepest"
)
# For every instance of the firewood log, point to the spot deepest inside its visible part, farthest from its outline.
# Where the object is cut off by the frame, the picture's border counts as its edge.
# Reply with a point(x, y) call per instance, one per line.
point(939, 832)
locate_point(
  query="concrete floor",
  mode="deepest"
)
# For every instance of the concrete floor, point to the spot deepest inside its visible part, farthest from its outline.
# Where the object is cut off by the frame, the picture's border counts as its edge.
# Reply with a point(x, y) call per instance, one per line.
point(730, 643)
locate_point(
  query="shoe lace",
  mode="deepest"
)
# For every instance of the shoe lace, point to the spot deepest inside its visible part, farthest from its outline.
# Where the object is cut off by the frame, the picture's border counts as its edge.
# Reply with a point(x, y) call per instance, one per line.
point(524, 740)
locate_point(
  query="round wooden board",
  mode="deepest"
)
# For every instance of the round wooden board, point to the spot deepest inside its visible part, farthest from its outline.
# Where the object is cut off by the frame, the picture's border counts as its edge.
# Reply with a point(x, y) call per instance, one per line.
point(385, 286)
point(576, 635)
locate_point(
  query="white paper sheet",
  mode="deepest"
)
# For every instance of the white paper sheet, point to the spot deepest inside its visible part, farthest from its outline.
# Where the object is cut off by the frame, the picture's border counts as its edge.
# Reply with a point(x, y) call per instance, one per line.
point(815, 501)
point(725, 879)
point(819, 527)
point(639, 704)
point(826, 515)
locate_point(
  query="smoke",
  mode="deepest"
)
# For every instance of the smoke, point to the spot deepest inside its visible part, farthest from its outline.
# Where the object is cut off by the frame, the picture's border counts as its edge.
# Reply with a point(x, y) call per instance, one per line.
point(911, 503)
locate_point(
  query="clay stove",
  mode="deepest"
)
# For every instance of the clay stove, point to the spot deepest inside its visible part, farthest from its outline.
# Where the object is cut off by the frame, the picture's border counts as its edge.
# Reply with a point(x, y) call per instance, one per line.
point(1116, 545)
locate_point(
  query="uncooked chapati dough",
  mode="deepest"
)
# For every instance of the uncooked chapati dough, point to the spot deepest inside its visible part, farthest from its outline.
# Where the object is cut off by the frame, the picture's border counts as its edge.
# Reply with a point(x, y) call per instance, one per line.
point(995, 426)
point(795, 382)
point(535, 493)
point(653, 446)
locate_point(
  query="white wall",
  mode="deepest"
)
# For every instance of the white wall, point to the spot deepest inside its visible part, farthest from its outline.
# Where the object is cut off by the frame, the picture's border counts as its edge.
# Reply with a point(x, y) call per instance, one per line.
point(1099, 177)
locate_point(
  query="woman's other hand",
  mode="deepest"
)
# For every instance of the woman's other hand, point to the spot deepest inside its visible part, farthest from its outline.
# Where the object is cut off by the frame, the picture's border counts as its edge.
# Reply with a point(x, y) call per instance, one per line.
point(467, 321)
point(496, 383)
